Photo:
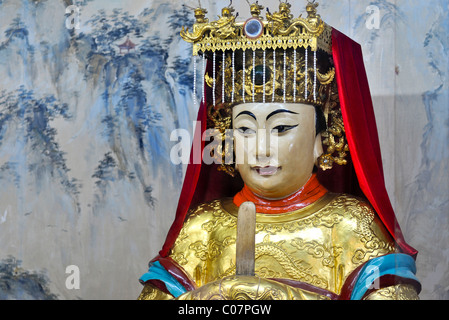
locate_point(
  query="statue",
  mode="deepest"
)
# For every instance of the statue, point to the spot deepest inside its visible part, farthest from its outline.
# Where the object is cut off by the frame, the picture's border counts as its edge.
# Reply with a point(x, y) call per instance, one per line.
point(268, 219)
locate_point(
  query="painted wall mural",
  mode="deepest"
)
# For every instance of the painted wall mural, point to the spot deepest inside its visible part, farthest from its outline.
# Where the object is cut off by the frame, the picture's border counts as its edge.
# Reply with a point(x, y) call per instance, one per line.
point(91, 90)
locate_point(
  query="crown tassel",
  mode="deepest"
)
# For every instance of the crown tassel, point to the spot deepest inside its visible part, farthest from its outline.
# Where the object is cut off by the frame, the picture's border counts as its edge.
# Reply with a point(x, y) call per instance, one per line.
point(283, 78)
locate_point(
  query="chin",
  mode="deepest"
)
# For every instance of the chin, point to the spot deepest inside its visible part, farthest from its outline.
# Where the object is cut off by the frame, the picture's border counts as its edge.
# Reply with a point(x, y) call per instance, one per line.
point(269, 188)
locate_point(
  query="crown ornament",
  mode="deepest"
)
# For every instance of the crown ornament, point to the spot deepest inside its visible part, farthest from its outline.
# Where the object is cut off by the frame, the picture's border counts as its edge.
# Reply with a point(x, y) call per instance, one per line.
point(278, 58)
point(278, 30)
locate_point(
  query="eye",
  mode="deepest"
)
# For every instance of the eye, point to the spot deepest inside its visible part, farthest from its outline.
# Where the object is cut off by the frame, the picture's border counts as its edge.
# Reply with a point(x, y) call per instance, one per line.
point(283, 128)
point(246, 130)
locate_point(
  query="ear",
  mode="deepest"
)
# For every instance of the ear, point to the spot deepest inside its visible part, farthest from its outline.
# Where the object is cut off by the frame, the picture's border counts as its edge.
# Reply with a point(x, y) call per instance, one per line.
point(318, 148)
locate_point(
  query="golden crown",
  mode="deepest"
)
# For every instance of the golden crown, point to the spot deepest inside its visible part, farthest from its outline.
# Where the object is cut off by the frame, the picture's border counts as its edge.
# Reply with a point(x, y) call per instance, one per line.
point(280, 58)
point(277, 59)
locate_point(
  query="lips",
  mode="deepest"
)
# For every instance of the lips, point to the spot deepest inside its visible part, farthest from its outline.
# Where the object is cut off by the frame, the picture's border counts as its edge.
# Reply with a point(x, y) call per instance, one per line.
point(267, 171)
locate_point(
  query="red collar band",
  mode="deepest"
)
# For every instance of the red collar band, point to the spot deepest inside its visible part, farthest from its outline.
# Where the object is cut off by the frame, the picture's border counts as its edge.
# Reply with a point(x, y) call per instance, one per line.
point(308, 194)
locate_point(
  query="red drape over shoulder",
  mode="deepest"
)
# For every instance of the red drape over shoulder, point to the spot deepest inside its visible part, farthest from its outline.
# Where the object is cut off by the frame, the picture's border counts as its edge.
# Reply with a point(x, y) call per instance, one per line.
point(361, 131)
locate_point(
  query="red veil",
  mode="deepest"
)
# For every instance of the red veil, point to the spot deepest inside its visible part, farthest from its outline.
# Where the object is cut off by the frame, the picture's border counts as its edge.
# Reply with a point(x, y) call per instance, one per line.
point(362, 176)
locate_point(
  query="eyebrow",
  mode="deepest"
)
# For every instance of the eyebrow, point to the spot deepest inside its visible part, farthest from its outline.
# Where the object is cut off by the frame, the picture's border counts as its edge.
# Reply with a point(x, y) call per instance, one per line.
point(247, 113)
point(279, 111)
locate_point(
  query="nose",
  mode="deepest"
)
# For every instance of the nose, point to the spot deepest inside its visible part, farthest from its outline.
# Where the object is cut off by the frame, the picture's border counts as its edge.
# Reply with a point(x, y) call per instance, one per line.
point(263, 145)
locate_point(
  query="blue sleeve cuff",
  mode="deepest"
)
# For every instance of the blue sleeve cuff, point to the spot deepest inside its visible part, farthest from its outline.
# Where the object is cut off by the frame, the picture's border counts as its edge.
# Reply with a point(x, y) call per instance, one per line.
point(158, 272)
point(398, 264)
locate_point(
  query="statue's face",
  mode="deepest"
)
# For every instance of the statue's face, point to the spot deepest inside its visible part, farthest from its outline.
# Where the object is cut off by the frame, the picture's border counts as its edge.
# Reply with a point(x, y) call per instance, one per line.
point(275, 146)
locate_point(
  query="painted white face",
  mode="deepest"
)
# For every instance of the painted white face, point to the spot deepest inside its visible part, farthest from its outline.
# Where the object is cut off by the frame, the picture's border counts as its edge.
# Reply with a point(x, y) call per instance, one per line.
point(275, 146)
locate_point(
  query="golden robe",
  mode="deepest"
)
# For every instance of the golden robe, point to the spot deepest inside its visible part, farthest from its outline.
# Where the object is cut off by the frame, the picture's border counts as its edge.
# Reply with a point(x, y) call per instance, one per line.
point(311, 253)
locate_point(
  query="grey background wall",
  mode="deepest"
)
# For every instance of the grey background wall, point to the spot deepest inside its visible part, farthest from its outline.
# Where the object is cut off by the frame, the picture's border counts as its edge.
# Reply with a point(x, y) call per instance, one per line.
point(86, 180)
